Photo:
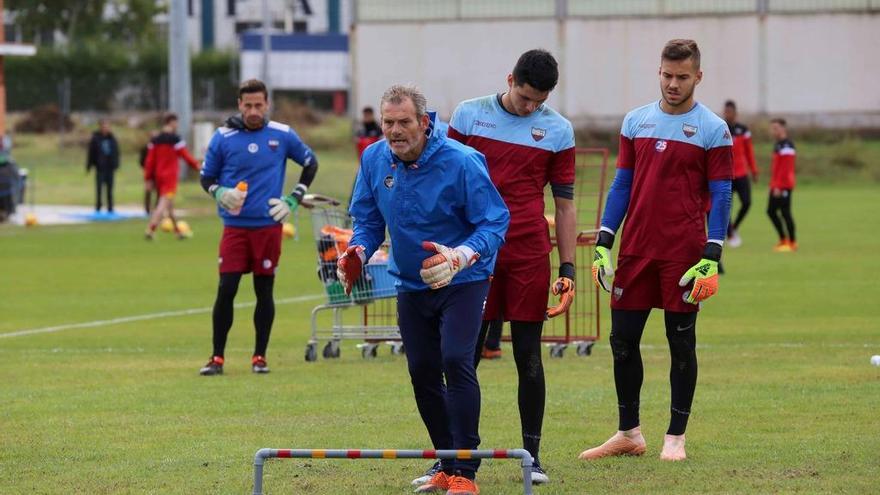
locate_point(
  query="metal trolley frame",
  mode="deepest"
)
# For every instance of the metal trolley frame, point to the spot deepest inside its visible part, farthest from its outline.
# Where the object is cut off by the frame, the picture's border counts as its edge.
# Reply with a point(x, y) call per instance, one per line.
point(372, 295)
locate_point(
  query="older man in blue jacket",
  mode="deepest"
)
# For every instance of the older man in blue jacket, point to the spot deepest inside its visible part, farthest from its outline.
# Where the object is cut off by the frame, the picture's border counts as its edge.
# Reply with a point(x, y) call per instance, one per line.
point(446, 221)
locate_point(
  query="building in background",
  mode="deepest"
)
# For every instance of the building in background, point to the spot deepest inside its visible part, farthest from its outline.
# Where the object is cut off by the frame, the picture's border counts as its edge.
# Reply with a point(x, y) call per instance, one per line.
point(314, 66)
point(811, 60)
point(217, 24)
point(308, 55)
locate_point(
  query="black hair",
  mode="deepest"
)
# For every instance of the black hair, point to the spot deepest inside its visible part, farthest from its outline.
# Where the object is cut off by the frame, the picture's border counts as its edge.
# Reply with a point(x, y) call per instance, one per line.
point(253, 86)
point(778, 120)
point(730, 104)
point(367, 110)
point(538, 69)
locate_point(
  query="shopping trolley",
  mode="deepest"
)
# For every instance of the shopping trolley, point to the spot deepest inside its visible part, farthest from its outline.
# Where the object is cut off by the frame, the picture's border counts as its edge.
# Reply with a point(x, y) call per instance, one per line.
point(372, 297)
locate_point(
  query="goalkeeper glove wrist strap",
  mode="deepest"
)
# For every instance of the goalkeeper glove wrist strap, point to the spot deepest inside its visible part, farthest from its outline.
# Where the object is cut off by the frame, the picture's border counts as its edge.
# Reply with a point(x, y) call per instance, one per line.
point(605, 239)
point(566, 270)
point(299, 191)
point(712, 251)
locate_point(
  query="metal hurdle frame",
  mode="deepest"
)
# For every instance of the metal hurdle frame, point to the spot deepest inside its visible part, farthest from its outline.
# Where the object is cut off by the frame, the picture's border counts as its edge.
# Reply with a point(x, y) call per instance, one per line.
point(387, 454)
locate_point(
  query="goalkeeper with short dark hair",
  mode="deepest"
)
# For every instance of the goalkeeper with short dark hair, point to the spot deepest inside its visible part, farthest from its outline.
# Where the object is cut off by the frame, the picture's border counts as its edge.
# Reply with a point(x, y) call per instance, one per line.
point(675, 155)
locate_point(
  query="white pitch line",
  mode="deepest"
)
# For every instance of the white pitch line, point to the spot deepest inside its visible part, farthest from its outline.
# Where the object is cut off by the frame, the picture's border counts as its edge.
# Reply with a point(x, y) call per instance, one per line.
point(149, 316)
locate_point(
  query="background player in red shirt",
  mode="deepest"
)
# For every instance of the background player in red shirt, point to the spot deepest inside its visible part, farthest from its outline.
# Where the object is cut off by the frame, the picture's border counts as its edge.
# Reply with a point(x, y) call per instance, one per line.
point(674, 154)
point(781, 186)
point(743, 166)
point(527, 145)
point(162, 169)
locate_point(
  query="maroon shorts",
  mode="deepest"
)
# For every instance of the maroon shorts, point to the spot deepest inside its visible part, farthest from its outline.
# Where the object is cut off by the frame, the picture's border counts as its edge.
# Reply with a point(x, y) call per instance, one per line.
point(645, 283)
point(519, 291)
point(244, 250)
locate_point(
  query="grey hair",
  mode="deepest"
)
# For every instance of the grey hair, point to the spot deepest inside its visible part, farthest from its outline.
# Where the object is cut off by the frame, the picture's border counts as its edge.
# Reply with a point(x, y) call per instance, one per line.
point(396, 94)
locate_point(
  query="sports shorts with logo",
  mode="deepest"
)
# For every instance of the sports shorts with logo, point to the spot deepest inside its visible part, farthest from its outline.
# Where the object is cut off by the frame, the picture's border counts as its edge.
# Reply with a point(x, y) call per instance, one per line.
point(519, 290)
point(645, 283)
point(244, 250)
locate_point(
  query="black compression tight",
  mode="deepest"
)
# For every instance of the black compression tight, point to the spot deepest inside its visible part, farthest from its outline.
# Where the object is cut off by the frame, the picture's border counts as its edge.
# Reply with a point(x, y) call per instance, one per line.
point(781, 205)
point(264, 312)
point(743, 189)
point(626, 334)
point(526, 340)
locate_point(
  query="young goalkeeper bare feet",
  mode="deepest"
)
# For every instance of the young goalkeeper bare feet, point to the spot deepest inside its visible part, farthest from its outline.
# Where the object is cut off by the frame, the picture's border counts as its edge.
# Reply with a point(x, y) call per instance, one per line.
point(673, 448)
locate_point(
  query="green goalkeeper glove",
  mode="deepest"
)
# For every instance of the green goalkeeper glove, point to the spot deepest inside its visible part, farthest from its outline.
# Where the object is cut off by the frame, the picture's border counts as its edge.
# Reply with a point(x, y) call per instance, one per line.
point(704, 274)
point(603, 268)
point(281, 208)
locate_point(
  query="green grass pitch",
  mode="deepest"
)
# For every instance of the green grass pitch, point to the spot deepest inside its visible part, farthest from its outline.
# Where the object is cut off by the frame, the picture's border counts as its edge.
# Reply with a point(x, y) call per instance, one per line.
point(787, 401)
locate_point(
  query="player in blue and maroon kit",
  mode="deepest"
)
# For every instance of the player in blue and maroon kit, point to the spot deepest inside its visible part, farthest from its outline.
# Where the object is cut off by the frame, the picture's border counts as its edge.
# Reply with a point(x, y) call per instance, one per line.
point(744, 165)
point(674, 156)
point(251, 149)
point(527, 145)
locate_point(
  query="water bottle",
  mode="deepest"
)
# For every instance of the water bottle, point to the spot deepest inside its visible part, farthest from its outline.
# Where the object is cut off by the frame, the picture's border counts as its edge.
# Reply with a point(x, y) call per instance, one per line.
point(241, 186)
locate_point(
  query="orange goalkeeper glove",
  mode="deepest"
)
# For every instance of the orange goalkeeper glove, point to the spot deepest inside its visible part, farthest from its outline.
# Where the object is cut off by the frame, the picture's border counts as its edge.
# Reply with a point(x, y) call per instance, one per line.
point(438, 270)
point(704, 274)
point(564, 288)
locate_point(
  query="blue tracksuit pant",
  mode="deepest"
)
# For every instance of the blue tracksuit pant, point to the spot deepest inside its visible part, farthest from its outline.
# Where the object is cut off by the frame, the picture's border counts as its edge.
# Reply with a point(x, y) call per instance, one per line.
point(439, 329)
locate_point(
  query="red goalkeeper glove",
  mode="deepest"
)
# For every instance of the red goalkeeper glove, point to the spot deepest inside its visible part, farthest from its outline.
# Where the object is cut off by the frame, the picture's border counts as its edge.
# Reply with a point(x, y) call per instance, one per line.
point(349, 266)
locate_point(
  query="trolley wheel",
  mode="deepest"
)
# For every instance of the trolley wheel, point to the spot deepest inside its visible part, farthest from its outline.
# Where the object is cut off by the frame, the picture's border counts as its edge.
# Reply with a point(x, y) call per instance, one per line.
point(585, 348)
point(311, 352)
point(558, 350)
point(368, 350)
point(331, 350)
point(397, 348)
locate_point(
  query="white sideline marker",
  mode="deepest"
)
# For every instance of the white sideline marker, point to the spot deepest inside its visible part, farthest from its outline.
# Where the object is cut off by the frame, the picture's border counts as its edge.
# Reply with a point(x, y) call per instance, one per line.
point(148, 316)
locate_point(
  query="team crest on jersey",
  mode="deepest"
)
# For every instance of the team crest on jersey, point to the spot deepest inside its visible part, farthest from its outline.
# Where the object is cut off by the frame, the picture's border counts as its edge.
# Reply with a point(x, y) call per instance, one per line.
point(273, 144)
point(689, 130)
point(253, 148)
point(389, 182)
point(660, 146)
point(538, 134)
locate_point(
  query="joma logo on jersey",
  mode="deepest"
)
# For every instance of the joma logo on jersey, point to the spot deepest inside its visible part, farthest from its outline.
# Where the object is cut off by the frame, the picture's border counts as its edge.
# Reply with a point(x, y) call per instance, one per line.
point(689, 130)
point(660, 146)
point(488, 125)
point(538, 134)
point(273, 144)
point(389, 182)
